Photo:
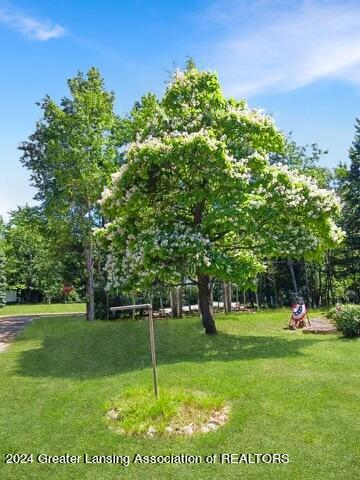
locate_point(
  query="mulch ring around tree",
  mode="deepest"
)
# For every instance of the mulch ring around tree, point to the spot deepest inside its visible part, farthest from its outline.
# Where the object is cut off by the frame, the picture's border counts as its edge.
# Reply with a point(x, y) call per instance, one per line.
point(174, 413)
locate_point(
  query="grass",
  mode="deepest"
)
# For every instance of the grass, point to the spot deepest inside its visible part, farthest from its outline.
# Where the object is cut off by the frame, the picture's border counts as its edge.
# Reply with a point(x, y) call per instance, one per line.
point(138, 410)
point(290, 393)
point(42, 308)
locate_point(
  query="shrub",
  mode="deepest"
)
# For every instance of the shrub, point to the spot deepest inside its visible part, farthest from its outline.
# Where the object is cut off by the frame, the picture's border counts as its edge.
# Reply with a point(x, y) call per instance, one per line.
point(347, 320)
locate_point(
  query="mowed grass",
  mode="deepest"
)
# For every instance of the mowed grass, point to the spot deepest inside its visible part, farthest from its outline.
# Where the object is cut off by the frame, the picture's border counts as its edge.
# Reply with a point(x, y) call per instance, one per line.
point(290, 393)
point(42, 308)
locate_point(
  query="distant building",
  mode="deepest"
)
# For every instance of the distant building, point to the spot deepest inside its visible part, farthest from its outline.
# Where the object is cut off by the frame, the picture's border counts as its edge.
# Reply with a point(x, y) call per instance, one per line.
point(11, 296)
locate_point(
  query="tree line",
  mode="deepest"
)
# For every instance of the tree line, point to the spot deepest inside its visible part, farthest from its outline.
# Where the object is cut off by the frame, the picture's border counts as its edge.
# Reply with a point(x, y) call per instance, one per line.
point(182, 182)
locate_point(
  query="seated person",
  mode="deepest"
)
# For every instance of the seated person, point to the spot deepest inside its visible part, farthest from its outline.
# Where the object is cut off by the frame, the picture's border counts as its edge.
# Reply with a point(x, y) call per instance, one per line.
point(299, 316)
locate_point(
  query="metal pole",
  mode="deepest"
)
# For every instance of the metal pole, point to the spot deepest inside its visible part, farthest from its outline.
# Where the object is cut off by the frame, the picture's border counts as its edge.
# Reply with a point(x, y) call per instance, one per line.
point(153, 352)
point(149, 308)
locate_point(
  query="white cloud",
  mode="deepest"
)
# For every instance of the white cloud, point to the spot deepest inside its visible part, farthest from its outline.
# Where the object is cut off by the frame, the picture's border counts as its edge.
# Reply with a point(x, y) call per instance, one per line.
point(270, 46)
point(30, 27)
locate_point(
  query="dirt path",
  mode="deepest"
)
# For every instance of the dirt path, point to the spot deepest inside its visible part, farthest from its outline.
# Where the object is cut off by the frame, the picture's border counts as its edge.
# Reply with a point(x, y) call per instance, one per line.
point(320, 325)
point(12, 325)
point(9, 327)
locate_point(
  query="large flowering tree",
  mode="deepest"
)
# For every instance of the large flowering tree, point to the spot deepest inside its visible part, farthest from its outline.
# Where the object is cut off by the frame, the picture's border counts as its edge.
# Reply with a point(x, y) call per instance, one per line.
point(198, 198)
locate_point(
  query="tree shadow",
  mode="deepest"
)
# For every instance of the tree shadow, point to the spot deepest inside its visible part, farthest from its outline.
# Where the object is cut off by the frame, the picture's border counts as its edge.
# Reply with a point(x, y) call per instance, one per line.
point(109, 348)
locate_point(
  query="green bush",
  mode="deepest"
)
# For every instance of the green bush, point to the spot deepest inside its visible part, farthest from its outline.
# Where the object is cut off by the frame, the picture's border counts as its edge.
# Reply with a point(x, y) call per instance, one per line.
point(347, 320)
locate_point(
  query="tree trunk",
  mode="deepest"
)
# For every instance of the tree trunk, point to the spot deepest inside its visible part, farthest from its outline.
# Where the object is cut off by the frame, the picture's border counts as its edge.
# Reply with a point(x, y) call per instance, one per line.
point(176, 302)
point(27, 295)
point(257, 299)
point(107, 306)
point(327, 279)
point(133, 310)
point(307, 286)
point(189, 299)
point(320, 287)
point(251, 296)
point(227, 297)
point(268, 296)
point(293, 278)
point(275, 292)
point(90, 303)
point(206, 304)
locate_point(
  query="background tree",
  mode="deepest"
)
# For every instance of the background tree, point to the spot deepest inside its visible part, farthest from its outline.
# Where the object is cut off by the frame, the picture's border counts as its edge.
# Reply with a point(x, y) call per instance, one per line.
point(348, 257)
point(30, 268)
point(199, 199)
point(302, 274)
point(71, 155)
point(304, 158)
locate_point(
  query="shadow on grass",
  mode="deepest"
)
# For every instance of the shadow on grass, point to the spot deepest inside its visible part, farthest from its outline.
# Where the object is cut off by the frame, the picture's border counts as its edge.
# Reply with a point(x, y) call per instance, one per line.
point(76, 349)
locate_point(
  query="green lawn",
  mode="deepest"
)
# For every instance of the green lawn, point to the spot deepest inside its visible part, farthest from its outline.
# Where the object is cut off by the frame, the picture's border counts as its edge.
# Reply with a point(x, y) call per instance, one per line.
point(290, 393)
point(42, 308)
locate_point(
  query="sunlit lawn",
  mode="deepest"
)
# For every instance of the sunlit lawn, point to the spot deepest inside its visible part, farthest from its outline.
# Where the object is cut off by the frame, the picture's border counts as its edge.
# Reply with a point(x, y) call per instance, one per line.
point(42, 308)
point(290, 393)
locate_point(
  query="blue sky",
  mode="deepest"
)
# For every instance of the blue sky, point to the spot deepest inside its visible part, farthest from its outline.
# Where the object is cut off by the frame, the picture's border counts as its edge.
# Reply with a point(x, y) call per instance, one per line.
point(299, 60)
